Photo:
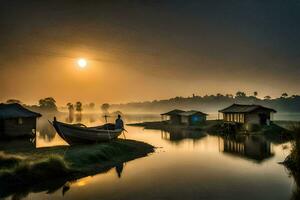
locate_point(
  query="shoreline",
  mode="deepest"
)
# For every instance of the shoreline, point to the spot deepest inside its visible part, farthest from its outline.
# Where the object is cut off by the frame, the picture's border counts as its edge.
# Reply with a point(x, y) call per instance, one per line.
point(47, 168)
point(276, 132)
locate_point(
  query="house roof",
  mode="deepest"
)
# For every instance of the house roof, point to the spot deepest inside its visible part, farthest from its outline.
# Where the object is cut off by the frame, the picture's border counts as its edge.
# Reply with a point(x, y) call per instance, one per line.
point(183, 113)
point(191, 112)
point(173, 112)
point(14, 110)
point(240, 108)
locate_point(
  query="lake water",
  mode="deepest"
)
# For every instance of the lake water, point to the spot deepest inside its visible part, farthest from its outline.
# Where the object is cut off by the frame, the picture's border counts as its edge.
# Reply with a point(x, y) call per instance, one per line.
point(186, 165)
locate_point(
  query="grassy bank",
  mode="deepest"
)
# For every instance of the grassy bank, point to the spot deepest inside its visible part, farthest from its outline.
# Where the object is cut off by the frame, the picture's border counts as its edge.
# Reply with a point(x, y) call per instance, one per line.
point(292, 161)
point(49, 168)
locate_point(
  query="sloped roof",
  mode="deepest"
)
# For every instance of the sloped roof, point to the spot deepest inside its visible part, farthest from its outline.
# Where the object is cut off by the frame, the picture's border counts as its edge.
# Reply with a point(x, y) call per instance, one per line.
point(191, 112)
point(183, 113)
point(173, 112)
point(14, 110)
point(240, 108)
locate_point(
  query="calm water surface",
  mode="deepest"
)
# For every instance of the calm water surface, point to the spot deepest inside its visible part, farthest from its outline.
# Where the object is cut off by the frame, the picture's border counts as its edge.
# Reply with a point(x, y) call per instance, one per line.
point(187, 165)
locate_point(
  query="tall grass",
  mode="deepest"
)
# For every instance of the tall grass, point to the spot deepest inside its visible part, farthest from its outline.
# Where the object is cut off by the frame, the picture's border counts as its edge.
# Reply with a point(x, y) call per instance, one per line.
point(292, 162)
point(9, 160)
point(28, 171)
point(34, 169)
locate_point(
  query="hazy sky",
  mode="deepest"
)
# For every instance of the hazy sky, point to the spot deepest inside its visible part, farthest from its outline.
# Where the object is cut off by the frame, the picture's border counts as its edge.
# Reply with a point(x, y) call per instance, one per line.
point(145, 50)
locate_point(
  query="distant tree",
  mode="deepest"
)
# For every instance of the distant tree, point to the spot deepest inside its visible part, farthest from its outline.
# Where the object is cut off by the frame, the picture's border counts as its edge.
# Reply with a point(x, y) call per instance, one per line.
point(105, 107)
point(78, 106)
point(229, 96)
point(13, 101)
point(284, 95)
point(48, 103)
point(240, 94)
point(70, 107)
point(91, 105)
point(267, 97)
point(255, 93)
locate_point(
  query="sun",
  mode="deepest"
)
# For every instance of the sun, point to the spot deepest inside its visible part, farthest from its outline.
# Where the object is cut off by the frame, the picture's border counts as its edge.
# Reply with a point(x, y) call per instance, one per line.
point(82, 63)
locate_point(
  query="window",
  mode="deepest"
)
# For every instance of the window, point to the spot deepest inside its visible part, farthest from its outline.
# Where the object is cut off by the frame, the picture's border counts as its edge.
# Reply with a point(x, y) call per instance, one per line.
point(236, 117)
point(225, 117)
point(242, 118)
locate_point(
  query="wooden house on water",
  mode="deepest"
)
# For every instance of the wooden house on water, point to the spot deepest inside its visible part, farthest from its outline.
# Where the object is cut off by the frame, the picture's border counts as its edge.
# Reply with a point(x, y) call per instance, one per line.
point(248, 114)
point(17, 121)
point(172, 116)
point(180, 117)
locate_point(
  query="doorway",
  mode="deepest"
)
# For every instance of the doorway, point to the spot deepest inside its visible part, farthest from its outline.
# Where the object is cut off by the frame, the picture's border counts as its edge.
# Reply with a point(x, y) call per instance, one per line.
point(263, 118)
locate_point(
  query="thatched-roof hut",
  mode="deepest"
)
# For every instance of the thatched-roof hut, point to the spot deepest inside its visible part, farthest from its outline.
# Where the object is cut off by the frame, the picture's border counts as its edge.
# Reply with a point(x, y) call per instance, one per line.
point(15, 120)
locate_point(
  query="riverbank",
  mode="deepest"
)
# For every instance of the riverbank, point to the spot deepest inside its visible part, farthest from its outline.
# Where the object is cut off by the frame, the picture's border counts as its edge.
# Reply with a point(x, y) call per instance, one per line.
point(163, 125)
point(49, 168)
point(292, 161)
point(276, 132)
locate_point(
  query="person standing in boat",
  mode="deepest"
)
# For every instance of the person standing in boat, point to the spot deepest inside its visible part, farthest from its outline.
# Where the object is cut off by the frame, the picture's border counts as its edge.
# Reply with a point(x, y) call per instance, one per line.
point(119, 123)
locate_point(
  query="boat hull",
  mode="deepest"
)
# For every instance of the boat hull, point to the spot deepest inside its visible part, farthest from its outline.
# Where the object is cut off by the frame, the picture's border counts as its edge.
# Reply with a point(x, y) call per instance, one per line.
point(78, 135)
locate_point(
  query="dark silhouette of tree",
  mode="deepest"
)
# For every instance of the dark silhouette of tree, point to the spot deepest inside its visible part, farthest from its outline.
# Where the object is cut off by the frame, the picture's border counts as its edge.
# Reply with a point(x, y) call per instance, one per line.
point(210, 103)
point(255, 94)
point(240, 94)
point(78, 106)
point(105, 107)
point(284, 95)
point(13, 101)
point(229, 96)
point(48, 103)
point(70, 108)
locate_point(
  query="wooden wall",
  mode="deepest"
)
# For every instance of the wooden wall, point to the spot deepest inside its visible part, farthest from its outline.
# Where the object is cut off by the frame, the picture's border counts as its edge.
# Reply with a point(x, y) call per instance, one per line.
point(18, 127)
point(247, 118)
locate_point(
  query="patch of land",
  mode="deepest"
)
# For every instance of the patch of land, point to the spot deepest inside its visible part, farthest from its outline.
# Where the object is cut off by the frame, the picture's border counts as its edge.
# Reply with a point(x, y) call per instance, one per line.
point(164, 125)
point(277, 132)
point(50, 168)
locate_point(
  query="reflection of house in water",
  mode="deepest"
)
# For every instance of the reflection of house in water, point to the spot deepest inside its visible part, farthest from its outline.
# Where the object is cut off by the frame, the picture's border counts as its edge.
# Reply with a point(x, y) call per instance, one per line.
point(250, 147)
point(181, 135)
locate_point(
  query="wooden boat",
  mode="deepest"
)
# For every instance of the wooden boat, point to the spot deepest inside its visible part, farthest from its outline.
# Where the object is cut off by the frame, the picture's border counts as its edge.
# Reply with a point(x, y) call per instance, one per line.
point(79, 133)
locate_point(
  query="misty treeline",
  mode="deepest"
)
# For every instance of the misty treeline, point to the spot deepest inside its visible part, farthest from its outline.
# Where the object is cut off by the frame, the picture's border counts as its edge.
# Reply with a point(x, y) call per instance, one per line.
point(44, 104)
point(49, 104)
point(207, 103)
point(212, 103)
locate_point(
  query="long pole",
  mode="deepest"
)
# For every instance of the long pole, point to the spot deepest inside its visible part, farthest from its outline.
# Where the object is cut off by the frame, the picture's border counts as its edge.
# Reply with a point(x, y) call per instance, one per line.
point(105, 116)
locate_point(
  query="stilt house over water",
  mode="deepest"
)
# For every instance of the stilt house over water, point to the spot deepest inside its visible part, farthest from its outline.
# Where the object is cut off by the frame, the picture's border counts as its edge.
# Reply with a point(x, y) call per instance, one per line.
point(180, 117)
point(16, 121)
point(248, 114)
